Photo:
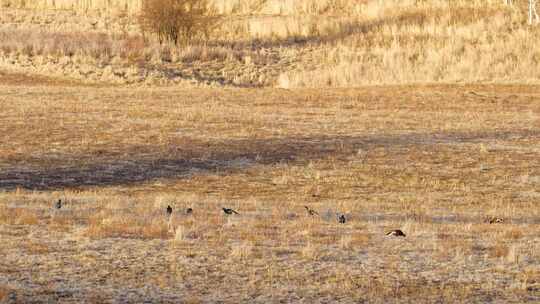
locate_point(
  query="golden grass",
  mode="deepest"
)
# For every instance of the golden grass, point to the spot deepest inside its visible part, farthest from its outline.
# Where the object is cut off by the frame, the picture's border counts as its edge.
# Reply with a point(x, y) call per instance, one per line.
point(132, 6)
point(224, 6)
point(18, 216)
point(120, 225)
point(394, 157)
point(34, 248)
point(285, 44)
point(432, 160)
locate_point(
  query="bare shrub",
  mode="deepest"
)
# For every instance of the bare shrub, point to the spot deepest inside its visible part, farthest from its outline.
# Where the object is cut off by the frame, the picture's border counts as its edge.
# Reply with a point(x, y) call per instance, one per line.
point(178, 21)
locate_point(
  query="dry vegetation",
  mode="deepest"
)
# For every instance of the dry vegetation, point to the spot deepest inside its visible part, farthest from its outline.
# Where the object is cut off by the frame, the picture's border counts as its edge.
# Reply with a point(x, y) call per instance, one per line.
point(434, 161)
point(282, 43)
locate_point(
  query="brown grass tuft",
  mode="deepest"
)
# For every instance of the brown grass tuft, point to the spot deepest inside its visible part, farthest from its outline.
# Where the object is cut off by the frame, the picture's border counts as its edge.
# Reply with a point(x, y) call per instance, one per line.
point(110, 225)
point(18, 216)
point(499, 251)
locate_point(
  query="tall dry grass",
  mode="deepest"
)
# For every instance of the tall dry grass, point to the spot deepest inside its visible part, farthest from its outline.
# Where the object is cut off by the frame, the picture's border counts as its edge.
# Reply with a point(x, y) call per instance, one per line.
point(430, 42)
point(319, 44)
point(243, 7)
point(132, 6)
point(272, 7)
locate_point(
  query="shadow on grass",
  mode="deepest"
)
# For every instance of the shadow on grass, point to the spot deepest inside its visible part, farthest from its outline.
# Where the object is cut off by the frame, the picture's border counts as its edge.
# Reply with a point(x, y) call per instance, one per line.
point(130, 167)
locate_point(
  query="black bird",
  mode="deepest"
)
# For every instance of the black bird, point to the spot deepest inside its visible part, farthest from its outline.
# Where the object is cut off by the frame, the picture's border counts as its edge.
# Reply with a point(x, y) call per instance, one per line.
point(229, 211)
point(396, 232)
point(495, 220)
point(169, 210)
point(342, 219)
point(311, 211)
point(58, 204)
point(189, 211)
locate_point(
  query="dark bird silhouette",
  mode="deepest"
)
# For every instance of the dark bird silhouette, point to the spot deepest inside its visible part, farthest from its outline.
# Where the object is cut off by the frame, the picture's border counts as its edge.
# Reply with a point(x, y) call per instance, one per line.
point(229, 211)
point(396, 232)
point(342, 219)
point(189, 210)
point(169, 210)
point(311, 211)
point(58, 204)
point(495, 220)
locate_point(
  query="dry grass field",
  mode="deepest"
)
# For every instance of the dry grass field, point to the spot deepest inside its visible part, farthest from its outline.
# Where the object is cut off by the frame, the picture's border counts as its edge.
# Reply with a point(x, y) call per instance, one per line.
point(435, 161)
point(439, 136)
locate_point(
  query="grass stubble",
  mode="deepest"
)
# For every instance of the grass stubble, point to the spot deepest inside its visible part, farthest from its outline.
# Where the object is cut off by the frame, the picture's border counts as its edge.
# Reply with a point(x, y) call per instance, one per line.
point(434, 161)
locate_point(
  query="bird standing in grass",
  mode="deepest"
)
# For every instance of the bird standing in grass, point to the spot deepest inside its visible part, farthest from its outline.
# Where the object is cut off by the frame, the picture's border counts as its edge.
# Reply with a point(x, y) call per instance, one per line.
point(495, 220)
point(189, 210)
point(311, 211)
point(169, 210)
point(58, 204)
point(396, 232)
point(229, 211)
point(342, 219)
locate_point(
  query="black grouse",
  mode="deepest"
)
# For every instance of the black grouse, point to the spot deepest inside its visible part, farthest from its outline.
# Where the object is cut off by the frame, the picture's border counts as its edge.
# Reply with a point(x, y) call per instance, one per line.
point(58, 204)
point(342, 219)
point(496, 220)
point(311, 211)
point(189, 210)
point(229, 211)
point(396, 232)
point(169, 210)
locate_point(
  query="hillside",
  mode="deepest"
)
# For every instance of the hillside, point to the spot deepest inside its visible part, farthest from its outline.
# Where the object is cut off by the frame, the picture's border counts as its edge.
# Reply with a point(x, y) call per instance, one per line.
point(280, 44)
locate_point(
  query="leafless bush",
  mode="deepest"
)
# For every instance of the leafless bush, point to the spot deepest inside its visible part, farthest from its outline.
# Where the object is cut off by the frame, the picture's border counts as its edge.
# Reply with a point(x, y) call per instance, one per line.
point(178, 21)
